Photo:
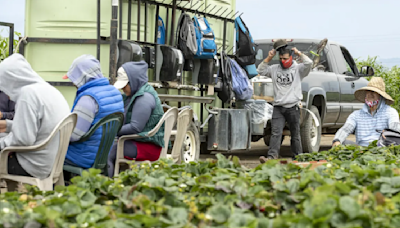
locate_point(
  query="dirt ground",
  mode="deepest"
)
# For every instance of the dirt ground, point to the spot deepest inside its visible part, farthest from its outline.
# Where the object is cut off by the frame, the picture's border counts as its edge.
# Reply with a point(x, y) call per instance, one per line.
point(250, 158)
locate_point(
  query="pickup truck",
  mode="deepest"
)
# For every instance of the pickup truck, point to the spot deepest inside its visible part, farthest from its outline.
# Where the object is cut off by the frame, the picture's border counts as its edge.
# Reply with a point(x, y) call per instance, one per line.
point(328, 91)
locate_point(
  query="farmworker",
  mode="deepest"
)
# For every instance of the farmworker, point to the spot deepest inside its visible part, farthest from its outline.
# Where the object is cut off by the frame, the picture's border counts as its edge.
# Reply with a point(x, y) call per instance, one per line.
point(7, 107)
point(95, 99)
point(143, 111)
point(376, 114)
point(40, 108)
point(286, 78)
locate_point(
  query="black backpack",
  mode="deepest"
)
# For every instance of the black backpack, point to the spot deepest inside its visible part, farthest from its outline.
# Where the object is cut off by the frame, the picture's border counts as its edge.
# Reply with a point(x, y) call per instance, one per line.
point(392, 138)
point(246, 53)
point(186, 40)
point(224, 87)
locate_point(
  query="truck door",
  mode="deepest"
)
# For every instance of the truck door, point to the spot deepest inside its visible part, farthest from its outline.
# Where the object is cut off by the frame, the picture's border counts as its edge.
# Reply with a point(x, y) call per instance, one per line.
point(346, 79)
point(358, 82)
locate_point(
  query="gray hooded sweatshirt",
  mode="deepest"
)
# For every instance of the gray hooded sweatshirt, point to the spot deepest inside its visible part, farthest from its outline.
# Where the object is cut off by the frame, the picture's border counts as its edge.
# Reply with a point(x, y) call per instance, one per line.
point(39, 108)
point(287, 82)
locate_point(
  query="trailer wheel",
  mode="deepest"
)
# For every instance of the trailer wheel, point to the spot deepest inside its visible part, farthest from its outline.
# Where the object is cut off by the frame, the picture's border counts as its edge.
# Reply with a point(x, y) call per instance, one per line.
point(267, 139)
point(191, 144)
point(310, 133)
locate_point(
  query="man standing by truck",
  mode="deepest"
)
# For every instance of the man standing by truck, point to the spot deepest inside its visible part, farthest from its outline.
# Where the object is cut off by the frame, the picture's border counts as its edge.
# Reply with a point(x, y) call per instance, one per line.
point(286, 78)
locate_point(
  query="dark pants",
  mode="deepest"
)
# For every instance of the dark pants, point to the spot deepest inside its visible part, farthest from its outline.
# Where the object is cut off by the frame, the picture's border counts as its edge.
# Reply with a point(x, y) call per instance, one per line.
point(280, 116)
point(14, 167)
point(130, 150)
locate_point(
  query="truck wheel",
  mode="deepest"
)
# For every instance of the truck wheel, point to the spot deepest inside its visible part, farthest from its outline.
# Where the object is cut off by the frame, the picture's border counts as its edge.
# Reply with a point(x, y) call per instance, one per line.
point(191, 144)
point(310, 133)
point(267, 139)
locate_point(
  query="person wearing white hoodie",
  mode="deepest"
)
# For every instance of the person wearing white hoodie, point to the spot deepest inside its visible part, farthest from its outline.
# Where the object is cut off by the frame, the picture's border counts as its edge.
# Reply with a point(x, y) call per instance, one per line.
point(39, 108)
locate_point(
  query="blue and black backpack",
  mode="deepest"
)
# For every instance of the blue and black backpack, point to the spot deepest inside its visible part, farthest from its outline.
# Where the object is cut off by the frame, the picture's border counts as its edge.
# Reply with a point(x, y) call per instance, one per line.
point(207, 48)
point(161, 31)
point(245, 48)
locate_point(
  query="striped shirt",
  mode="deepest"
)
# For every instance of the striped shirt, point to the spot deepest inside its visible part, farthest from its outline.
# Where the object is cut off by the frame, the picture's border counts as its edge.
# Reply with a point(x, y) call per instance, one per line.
point(366, 125)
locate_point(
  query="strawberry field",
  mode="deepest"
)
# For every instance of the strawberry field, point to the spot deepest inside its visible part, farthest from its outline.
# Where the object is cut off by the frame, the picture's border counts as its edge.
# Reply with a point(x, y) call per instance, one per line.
point(359, 187)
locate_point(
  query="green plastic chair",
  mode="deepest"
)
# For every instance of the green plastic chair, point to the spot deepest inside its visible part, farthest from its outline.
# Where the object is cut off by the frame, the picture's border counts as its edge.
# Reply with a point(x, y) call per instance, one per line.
point(111, 125)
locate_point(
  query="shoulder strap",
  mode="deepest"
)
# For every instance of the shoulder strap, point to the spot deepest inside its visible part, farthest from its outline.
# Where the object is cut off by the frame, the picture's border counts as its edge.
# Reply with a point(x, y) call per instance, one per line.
point(178, 29)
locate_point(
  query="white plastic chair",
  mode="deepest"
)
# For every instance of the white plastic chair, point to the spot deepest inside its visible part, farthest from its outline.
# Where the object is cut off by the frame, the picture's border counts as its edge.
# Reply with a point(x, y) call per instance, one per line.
point(65, 129)
point(184, 118)
point(169, 118)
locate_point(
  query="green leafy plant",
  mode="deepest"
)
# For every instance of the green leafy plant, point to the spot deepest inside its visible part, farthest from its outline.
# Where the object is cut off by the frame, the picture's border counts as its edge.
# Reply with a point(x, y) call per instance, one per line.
point(360, 189)
point(4, 45)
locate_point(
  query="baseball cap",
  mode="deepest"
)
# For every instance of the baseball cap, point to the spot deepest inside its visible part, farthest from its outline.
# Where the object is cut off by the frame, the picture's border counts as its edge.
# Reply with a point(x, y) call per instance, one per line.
point(122, 79)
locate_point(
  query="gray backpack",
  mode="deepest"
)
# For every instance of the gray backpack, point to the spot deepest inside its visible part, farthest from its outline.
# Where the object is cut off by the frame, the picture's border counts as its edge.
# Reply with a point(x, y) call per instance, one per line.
point(186, 39)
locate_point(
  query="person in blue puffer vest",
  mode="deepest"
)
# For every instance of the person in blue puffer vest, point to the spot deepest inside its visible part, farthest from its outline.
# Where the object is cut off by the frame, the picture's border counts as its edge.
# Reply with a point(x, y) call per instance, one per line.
point(95, 99)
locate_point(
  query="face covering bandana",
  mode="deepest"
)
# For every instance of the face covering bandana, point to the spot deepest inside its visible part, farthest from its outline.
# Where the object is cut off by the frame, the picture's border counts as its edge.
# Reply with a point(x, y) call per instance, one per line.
point(286, 63)
point(371, 103)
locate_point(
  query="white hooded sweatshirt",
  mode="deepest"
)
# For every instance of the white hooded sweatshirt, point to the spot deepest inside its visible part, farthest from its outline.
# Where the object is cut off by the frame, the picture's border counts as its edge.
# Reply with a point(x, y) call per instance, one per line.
point(39, 108)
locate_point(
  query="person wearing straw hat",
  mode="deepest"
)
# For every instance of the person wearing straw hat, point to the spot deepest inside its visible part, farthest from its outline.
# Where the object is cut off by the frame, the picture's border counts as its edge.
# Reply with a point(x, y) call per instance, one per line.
point(376, 115)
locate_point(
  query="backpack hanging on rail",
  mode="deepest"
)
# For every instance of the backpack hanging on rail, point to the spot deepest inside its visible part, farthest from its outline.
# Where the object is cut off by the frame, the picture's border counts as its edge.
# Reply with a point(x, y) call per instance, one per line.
point(224, 88)
point(207, 48)
point(161, 31)
point(186, 40)
point(246, 48)
point(241, 85)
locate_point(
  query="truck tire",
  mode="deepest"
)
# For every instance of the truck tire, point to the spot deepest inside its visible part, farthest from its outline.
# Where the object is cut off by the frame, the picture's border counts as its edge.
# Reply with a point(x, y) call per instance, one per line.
point(311, 134)
point(191, 144)
point(267, 139)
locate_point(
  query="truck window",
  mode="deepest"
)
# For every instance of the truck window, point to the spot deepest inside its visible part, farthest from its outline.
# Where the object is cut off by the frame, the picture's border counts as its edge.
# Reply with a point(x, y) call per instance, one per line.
point(351, 65)
point(305, 48)
point(343, 65)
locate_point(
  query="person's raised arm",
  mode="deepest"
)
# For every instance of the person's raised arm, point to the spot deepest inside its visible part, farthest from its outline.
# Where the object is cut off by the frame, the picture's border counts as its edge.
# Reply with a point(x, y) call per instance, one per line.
point(263, 68)
point(304, 67)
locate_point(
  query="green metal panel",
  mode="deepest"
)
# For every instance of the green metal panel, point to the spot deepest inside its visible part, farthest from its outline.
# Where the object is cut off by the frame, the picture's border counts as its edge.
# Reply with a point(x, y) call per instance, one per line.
point(77, 19)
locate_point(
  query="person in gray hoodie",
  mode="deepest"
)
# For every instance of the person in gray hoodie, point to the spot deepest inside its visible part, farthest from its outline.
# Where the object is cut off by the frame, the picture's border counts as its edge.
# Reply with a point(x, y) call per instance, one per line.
point(142, 110)
point(40, 108)
point(286, 78)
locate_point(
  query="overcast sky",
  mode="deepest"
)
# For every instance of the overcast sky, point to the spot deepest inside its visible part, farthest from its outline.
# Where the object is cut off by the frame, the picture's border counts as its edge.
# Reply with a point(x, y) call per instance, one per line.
point(365, 27)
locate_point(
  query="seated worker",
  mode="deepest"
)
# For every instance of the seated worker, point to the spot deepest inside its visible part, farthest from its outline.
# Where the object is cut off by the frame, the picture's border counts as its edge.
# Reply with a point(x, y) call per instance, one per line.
point(143, 111)
point(375, 115)
point(40, 107)
point(95, 99)
point(7, 107)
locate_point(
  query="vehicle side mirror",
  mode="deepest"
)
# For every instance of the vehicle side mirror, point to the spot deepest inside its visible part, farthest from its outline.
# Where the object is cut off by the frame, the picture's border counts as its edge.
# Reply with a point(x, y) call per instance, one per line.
point(366, 71)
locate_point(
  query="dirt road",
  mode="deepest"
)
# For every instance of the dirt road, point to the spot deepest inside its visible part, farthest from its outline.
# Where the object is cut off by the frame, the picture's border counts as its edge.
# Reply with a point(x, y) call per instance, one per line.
point(250, 158)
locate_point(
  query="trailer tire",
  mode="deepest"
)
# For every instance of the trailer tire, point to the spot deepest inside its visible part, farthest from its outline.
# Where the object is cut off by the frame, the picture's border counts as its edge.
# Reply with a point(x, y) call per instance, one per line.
point(191, 144)
point(311, 134)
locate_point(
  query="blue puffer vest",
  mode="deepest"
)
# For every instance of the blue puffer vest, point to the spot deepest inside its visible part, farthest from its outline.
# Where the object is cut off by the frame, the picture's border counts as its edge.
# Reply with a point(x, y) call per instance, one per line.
point(109, 100)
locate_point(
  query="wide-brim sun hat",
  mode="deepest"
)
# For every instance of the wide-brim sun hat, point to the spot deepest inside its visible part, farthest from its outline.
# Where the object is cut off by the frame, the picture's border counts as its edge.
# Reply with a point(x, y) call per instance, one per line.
point(377, 85)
